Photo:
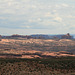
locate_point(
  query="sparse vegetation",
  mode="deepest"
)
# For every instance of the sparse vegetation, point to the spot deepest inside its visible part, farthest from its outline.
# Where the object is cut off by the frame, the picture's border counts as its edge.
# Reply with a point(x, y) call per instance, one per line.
point(51, 66)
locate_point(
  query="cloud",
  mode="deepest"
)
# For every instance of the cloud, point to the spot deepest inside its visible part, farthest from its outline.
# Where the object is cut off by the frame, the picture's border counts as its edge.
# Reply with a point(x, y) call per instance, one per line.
point(25, 27)
point(3, 18)
point(65, 5)
point(37, 14)
point(59, 19)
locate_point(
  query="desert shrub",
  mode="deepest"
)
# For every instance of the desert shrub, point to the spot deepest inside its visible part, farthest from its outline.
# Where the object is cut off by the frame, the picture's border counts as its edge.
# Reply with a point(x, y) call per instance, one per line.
point(54, 66)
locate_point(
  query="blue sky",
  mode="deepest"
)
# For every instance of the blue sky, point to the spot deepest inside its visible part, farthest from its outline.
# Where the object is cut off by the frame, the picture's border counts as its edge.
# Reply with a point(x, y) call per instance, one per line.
point(37, 17)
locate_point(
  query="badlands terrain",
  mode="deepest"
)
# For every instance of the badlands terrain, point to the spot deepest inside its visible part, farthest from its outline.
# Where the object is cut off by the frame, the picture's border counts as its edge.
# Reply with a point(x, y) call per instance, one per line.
point(37, 57)
point(36, 48)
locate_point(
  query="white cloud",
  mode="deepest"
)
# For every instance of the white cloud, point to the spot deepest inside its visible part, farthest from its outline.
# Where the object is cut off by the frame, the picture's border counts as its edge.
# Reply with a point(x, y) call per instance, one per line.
point(3, 18)
point(37, 13)
point(48, 14)
point(65, 5)
point(59, 19)
point(26, 26)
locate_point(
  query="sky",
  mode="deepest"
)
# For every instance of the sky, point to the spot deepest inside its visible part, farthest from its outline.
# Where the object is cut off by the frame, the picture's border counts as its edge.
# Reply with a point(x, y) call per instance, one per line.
point(37, 17)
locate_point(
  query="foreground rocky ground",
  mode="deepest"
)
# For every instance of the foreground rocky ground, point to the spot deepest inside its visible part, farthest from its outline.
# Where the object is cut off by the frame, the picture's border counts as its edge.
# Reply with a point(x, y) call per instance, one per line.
point(50, 66)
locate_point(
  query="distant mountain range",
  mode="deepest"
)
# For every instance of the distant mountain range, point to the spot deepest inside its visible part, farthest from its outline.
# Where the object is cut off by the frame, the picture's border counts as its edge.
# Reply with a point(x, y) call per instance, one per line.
point(59, 36)
point(42, 36)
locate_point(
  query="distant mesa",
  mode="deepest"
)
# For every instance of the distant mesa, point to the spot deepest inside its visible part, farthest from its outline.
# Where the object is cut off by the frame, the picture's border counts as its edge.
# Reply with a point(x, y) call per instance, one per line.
point(15, 36)
point(40, 36)
point(22, 36)
point(67, 36)
point(0, 37)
